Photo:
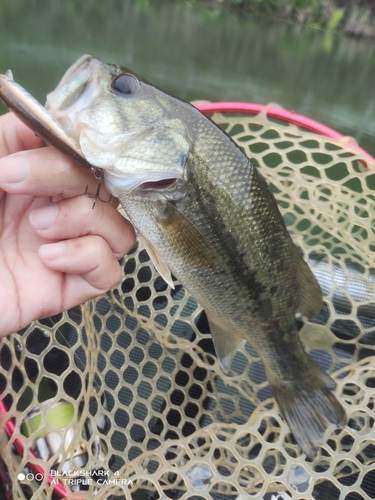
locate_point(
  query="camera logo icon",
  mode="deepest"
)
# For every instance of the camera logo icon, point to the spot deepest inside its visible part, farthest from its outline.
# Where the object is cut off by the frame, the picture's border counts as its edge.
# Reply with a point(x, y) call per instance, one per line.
point(30, 476)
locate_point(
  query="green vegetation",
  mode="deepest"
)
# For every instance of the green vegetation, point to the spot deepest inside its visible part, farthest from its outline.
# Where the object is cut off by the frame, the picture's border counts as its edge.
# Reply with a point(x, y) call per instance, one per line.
point(352, 18)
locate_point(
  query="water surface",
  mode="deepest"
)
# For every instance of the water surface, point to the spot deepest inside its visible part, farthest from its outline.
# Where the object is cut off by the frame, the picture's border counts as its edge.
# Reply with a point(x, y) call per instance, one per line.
point(197, 53)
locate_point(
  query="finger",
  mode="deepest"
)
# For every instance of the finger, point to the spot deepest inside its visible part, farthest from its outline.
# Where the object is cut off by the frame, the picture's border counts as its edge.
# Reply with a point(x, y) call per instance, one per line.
point(89, 264)
point(47, 172)
point(75, 217)
point(15, 136)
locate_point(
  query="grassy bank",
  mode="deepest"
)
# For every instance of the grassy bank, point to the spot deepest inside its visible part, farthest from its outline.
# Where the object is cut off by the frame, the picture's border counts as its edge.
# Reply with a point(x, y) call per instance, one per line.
point(345, 16)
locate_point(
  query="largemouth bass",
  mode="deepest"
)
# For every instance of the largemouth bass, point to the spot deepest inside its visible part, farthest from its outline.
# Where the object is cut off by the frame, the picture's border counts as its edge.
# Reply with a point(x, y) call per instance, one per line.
point(206, 215)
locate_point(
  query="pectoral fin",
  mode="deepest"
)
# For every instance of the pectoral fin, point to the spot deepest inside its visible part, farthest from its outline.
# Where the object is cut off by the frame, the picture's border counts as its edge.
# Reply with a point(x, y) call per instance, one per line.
point(185, 238)
point(226, 344)
point(157, 260)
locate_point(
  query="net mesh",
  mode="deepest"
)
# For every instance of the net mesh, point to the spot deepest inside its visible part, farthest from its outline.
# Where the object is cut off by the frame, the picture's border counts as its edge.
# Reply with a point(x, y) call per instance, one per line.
point(125, 393)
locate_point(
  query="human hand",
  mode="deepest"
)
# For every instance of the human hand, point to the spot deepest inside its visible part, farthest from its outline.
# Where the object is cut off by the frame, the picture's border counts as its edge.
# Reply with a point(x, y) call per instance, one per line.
point(56, 251)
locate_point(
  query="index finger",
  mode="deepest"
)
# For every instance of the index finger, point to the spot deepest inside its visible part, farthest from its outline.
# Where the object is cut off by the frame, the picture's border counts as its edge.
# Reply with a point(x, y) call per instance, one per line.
point(16, 136)
point(47, 172)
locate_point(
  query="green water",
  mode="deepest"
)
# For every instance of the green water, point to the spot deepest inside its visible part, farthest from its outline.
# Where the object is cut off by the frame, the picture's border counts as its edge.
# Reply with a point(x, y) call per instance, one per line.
point(197, 52)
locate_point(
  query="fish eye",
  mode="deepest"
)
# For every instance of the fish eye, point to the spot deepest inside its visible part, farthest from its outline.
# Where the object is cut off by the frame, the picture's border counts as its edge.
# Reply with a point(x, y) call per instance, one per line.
point(125, 84)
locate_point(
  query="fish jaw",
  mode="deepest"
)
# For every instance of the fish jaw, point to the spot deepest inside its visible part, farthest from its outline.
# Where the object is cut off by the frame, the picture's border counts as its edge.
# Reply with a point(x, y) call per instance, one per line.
point(134, 139)
point(77, 89)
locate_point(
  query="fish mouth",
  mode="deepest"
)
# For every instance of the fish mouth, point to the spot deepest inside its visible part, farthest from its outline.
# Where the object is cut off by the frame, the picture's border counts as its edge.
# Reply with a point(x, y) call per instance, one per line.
point(85, 64)
point(77, 89)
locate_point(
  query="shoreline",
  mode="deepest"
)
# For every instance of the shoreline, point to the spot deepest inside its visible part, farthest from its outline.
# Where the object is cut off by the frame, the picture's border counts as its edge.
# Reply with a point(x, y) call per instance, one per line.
point(355, 19)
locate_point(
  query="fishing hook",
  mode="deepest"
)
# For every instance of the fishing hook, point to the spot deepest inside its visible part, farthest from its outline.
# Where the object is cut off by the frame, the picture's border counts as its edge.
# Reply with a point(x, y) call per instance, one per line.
point(99, 176)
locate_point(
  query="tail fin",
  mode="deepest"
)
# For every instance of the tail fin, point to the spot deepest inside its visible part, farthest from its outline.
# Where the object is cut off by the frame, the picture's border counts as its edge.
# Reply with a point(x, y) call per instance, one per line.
point(309, 406)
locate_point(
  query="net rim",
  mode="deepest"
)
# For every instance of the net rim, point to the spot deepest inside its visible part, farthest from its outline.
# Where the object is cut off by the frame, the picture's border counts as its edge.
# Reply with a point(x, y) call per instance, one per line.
point(280, 114)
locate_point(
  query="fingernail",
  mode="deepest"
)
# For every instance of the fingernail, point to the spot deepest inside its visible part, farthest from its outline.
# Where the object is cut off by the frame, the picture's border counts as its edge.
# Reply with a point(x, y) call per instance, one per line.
point(52, 250)
point(14, 169)
point(43, 218)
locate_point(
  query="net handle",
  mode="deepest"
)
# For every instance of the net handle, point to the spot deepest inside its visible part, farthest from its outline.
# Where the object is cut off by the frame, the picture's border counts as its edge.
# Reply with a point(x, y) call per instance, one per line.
point(280, 114)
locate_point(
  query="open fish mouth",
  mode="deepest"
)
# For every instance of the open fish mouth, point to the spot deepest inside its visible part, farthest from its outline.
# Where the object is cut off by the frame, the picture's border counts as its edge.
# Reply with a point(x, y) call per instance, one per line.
point(77, 90)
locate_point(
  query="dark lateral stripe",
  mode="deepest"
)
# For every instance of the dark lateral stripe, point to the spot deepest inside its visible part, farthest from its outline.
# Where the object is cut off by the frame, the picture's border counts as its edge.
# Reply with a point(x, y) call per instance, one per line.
point(202, 202)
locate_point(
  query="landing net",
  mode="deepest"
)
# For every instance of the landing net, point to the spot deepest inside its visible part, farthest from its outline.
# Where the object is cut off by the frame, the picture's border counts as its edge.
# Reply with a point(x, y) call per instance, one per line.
point(123, 397)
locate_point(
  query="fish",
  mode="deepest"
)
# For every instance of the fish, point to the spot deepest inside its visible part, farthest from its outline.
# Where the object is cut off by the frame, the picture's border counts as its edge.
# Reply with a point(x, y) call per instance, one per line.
point(206, 216)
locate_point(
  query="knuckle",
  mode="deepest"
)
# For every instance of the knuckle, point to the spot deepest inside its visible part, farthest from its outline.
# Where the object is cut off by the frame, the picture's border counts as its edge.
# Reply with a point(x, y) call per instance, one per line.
point(100, 247)
point(77, 209)
point(126, 241)
point(107, 267)
point(131, 240)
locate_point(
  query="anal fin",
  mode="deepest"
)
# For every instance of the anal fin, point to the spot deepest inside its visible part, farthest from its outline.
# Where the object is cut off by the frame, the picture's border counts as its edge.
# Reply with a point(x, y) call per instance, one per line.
point(226, 344)
point(311, 300)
